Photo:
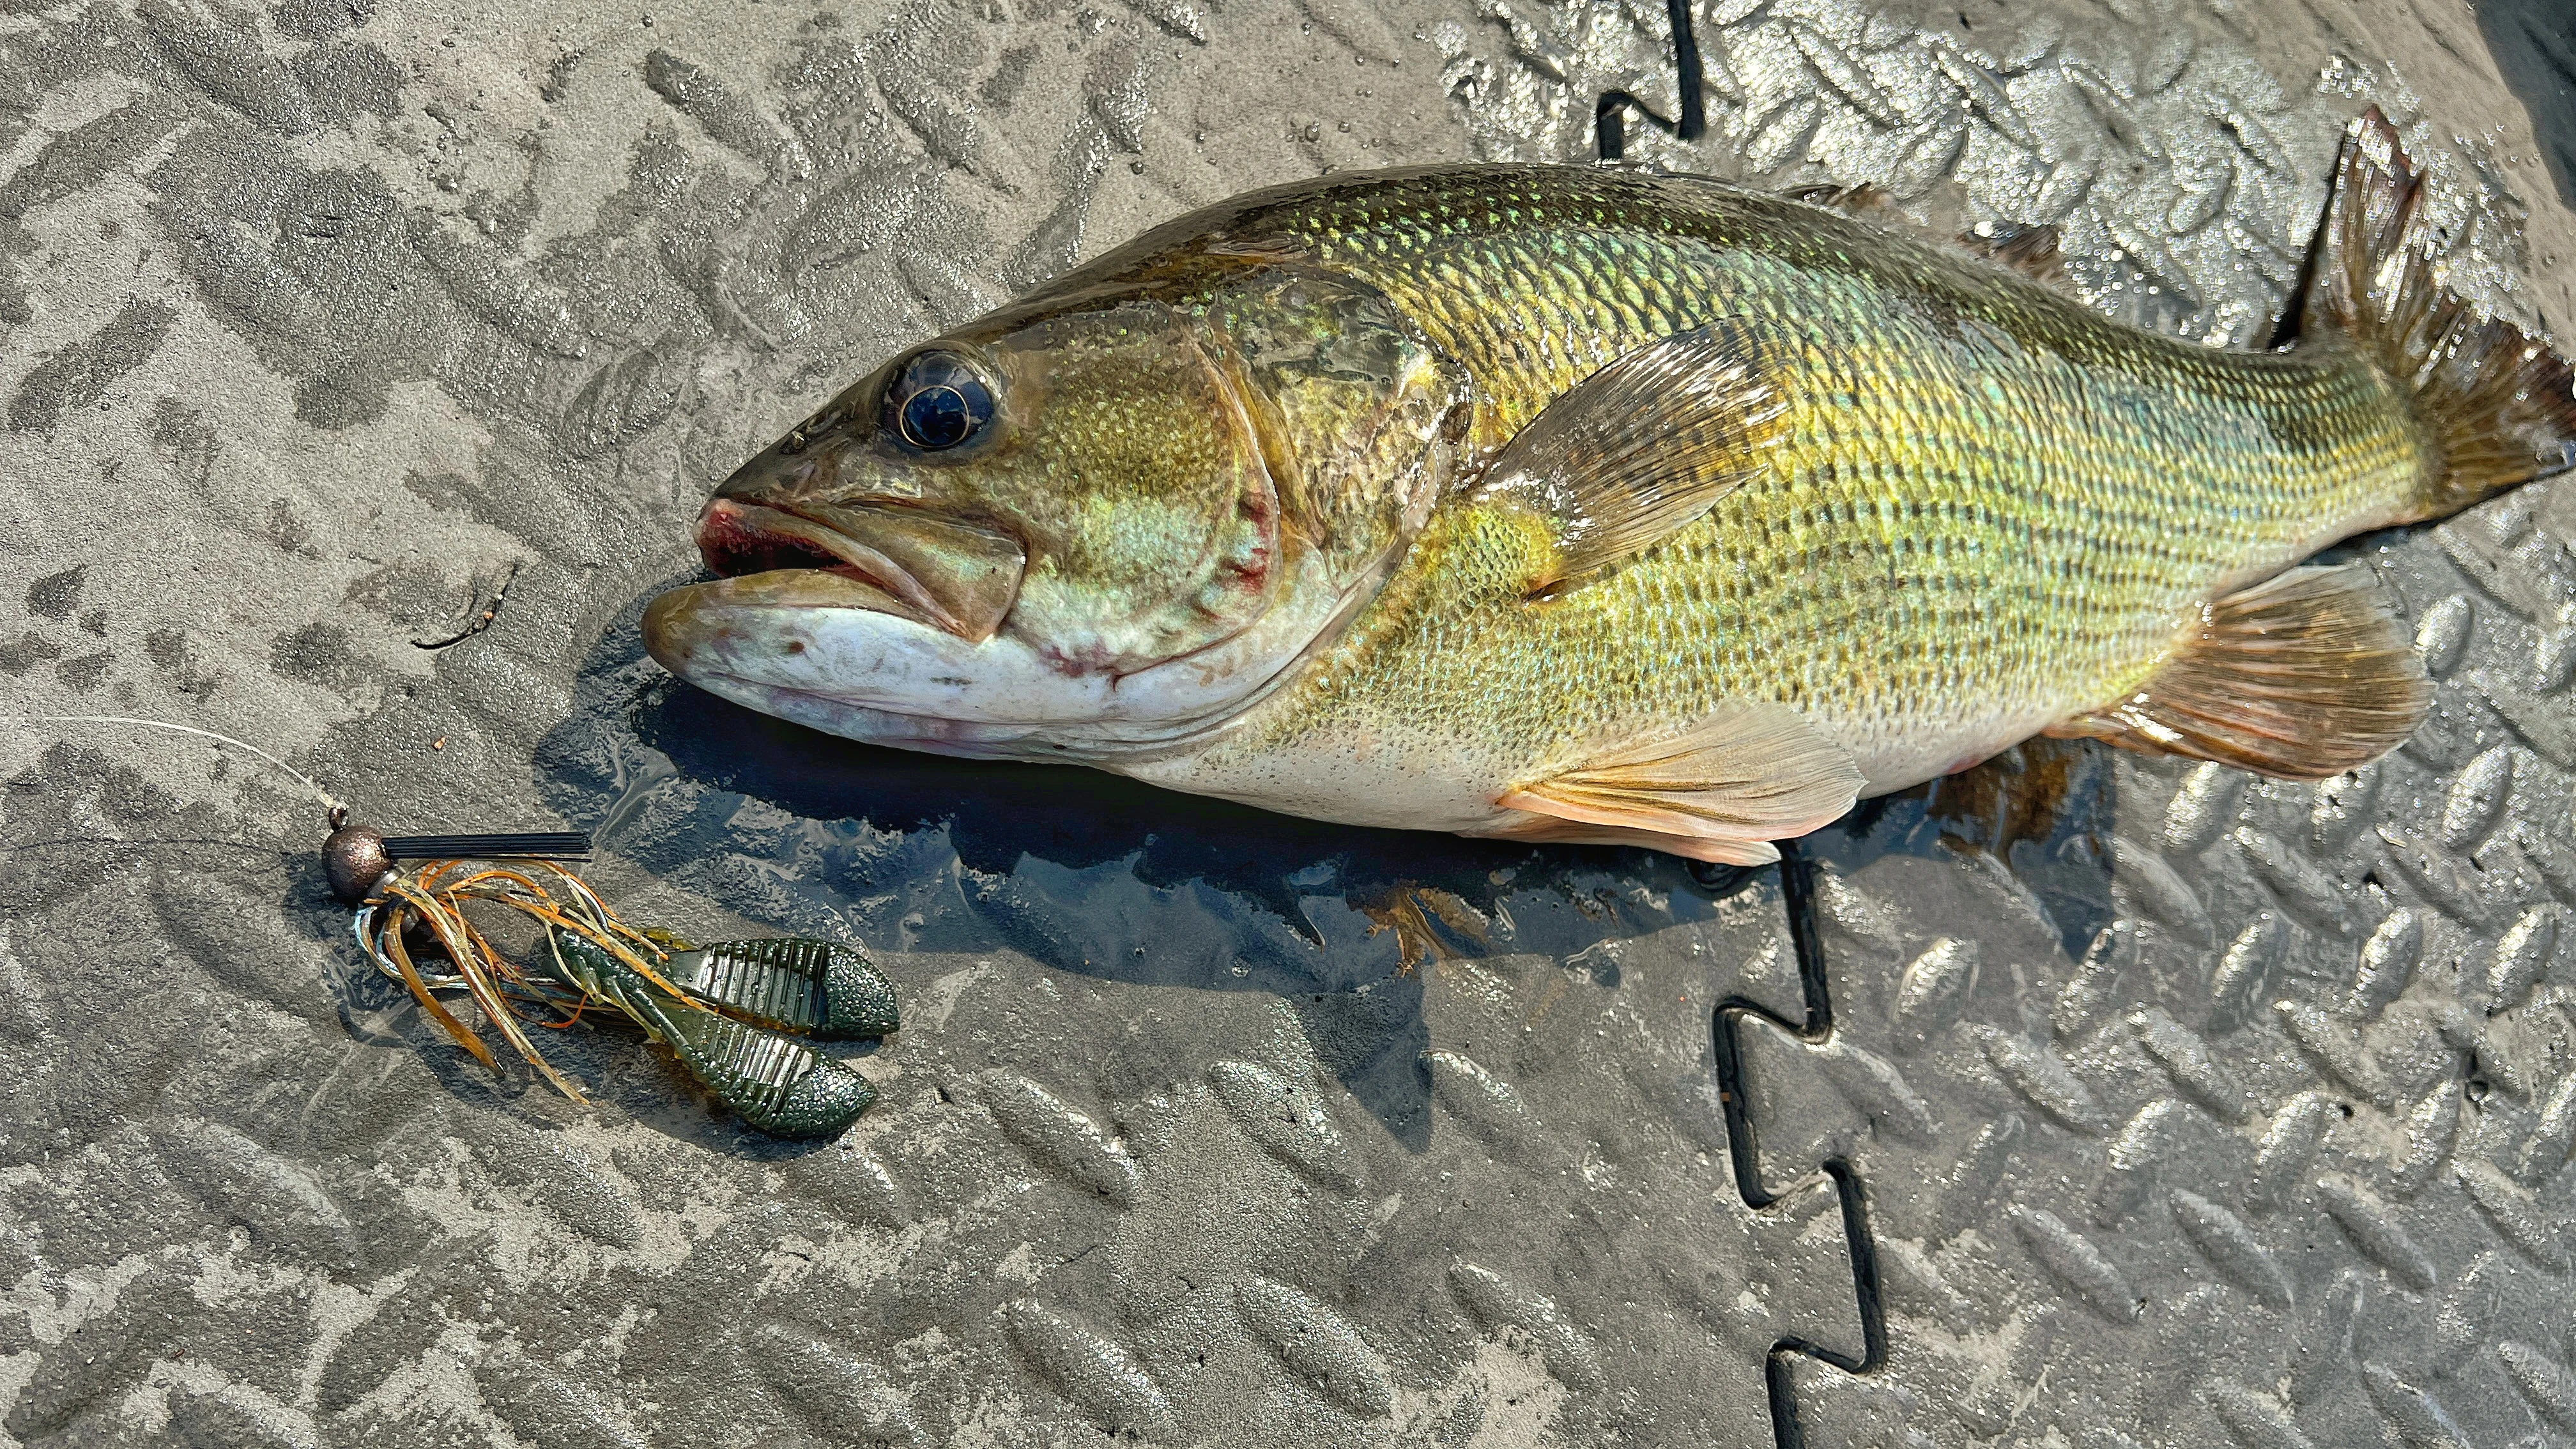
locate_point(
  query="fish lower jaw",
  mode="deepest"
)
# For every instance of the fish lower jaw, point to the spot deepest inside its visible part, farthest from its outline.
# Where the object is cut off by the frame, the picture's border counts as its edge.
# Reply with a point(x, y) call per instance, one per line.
point(1103, 745)
point(871, 725)
point(807, 647)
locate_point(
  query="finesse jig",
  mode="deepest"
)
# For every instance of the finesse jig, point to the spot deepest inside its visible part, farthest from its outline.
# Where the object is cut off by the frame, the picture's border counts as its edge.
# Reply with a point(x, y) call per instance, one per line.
point(737, 1014)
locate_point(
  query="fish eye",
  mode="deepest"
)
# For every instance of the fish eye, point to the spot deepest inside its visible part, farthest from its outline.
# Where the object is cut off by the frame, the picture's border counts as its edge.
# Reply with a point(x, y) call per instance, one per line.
point(937, 402)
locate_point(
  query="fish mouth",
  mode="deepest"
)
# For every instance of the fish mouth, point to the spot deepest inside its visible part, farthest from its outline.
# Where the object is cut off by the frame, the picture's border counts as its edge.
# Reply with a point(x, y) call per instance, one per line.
point(868, 622)
point(950, 576)
point(809, 626)
point(827, 648)
point(877, 623)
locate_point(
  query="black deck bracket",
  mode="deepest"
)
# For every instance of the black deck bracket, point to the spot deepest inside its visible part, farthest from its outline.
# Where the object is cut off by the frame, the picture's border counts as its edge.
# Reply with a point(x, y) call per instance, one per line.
point(1798, 901)
point(1609, 114)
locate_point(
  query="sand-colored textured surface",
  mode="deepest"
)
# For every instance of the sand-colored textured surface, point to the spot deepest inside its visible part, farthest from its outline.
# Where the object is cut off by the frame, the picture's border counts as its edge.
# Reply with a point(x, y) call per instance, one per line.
point(2214, 1112)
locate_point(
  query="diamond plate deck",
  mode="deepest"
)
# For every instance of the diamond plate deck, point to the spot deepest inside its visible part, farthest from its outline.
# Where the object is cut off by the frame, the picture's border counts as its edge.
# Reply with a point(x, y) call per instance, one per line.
point(2160, 1105)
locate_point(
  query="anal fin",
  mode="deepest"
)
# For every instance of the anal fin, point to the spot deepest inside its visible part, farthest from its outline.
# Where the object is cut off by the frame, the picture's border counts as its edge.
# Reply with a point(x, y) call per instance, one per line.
point(1722, 790)
point(2302, 677)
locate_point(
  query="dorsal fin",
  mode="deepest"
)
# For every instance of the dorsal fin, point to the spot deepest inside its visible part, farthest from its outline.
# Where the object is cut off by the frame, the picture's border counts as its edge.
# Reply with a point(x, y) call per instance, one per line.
point(1749, 773)
point(2032, 250)
point(2029, 250)
point(1869, 203)
point(1640, 448)
point(2303, 677)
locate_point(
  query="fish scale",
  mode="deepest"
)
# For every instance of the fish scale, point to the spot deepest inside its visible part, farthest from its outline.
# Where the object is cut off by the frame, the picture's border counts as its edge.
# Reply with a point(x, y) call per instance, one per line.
point(1973, 527)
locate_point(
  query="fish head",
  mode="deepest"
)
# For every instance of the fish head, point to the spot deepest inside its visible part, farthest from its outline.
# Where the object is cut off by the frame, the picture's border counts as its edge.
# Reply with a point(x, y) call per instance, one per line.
point(1088, 523)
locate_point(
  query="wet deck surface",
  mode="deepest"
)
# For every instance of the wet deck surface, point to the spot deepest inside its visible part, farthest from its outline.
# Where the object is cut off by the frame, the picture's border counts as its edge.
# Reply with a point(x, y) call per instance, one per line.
point(2161, 1105)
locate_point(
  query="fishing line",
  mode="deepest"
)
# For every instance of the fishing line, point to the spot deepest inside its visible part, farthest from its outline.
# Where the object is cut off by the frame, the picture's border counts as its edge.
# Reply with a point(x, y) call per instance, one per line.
point(541, 845)
point(333, 805)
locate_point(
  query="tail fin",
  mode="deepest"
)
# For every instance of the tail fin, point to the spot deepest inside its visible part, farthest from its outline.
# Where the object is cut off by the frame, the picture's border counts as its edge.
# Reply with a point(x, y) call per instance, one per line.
point(2499, 404)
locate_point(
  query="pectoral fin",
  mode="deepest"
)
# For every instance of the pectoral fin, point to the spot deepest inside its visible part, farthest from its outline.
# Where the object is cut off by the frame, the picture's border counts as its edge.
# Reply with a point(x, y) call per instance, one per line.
point(1642, 447)
point(1723, 790)
point(2303, 676)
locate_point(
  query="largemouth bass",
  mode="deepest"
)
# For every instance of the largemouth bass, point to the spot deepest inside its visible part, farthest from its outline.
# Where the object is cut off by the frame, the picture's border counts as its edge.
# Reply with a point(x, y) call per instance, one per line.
point(1586, 505)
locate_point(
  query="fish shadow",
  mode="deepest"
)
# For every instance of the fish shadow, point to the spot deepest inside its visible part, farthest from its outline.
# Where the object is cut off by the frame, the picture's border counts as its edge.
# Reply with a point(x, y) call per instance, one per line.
point(2042, 813)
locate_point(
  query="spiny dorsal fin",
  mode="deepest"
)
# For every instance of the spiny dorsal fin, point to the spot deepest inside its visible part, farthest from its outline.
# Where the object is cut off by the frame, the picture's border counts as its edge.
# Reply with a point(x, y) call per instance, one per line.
point(1750, 773)
point(2303, 677)
point(1869, 203)
point(1640, 448)
point(2029, 250)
